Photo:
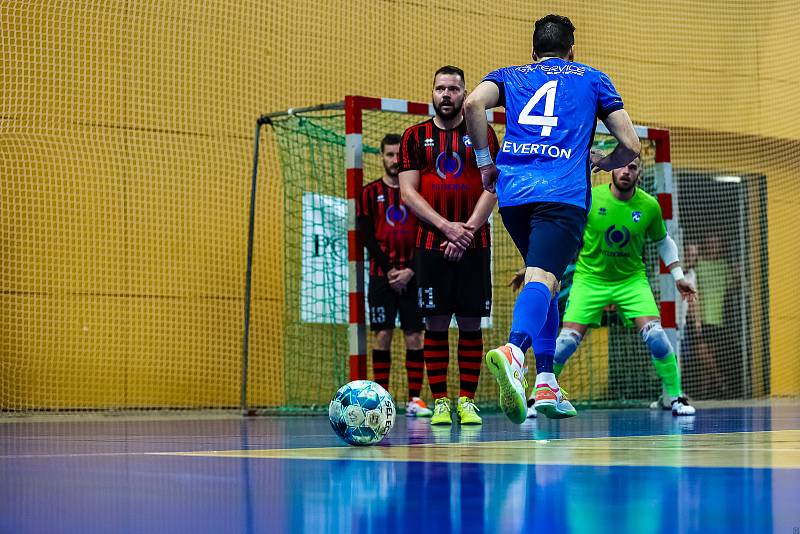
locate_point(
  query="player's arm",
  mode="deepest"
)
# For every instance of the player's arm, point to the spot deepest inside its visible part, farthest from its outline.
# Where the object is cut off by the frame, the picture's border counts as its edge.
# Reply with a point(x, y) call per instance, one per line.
point(458, 233)
point(483, 209)
point(620, 126)
point(485, 96)
point(367, 229)
point(693, 314)
point(487, 200)
point(409, 191)
point(668, 251)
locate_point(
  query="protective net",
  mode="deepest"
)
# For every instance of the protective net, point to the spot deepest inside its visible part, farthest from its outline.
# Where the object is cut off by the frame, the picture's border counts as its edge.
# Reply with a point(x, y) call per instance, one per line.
point(126, 133)
point(124, 208)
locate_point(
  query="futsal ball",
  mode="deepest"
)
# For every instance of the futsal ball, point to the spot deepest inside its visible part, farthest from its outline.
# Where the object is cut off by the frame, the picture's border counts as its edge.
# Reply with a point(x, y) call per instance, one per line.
point(362, 412)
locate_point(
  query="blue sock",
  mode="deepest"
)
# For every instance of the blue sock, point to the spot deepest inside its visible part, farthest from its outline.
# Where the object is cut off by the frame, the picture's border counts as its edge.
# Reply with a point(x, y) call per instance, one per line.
point(530, 313)
point(544, 347)
point(520, 339)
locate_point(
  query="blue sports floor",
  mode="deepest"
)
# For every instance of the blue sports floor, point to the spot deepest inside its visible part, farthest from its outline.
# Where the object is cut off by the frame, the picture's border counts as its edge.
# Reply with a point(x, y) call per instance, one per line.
point(724, 470)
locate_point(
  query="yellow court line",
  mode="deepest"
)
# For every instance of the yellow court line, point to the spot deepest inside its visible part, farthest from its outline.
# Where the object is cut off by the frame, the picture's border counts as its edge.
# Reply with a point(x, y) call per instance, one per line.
point(766, 449)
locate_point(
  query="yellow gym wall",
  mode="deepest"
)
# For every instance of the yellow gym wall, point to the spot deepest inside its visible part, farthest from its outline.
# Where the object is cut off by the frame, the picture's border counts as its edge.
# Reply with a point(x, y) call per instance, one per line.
point(126, 140)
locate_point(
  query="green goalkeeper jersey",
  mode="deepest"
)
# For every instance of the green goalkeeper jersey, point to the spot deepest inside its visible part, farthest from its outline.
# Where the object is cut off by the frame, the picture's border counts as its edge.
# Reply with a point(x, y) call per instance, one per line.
point(613, 241)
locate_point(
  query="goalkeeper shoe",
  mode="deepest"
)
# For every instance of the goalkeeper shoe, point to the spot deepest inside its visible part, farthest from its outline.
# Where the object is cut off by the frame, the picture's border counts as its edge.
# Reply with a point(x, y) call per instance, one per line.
point(551, 400)
point(468, 412)
point(416, 407)
point(658, 404)
point(681, 406)
point(507, 370)
point(441, 412)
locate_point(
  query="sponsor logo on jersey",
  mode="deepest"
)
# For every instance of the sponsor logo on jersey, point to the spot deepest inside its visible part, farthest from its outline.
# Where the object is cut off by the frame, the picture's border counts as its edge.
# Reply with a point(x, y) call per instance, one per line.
point(553, 69)
point(617, 237)
point(636, 216)
point(552, 151)
point(450, 187)
point(396, 215)
point(449, 165)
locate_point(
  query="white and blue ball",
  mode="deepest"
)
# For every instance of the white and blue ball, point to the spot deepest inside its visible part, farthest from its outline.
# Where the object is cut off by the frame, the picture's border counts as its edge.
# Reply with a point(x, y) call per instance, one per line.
point(362, 412)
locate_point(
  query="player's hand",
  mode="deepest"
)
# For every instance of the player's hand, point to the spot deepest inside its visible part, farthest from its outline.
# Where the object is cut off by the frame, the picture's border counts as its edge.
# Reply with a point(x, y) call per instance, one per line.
point(458, 233)
point(489, 176)
point(391, 277)
point(453, 252)
point(687, 290)
point(400, 280)
point(517, 280)
point(600, 162)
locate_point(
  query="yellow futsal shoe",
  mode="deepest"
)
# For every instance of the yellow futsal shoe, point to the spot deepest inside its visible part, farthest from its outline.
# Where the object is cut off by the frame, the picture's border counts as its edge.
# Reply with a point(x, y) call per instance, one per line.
point(441, 412)
point(468, 412)
point(507, 370)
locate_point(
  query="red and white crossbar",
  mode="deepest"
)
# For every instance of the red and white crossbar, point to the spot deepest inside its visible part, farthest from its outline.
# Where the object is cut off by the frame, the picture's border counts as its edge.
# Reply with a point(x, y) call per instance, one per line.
point(355, 105)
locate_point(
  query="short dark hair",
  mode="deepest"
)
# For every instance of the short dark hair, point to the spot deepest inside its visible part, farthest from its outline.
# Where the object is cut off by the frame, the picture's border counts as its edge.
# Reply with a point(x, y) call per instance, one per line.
point(553, 35)
point(449, 69)
point(390, 139)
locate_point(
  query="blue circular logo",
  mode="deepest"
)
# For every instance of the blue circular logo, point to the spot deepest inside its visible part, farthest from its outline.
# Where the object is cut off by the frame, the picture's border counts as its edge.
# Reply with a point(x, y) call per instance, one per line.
point(451, 165)
point(396, 215)
point(617, 237)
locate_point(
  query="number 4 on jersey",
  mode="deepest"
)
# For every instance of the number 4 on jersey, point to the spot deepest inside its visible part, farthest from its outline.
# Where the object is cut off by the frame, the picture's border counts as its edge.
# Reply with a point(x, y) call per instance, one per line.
point(546, 121)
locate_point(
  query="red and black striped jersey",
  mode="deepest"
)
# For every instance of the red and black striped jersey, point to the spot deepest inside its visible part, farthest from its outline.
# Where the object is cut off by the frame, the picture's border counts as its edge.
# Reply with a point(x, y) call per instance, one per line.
point(449, 178)
point(389, 227)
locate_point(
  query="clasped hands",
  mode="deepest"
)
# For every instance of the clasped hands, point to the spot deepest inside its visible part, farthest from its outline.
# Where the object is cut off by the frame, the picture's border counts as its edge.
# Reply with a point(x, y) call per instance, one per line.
point(459, 236)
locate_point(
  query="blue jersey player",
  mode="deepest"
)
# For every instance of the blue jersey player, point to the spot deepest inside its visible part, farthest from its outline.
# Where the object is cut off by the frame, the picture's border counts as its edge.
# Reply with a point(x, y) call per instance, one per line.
point(542, 180)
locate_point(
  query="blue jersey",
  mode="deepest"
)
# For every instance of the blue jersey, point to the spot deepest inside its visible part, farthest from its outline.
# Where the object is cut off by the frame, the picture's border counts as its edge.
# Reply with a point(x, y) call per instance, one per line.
point(552, 109)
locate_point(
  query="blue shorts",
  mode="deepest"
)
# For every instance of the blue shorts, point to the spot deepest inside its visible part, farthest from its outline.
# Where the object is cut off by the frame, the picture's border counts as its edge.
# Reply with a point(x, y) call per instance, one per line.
point(547, 234)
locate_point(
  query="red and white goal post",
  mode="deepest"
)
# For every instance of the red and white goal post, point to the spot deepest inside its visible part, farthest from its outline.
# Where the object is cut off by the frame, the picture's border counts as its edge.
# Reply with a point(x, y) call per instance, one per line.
point(355, 105)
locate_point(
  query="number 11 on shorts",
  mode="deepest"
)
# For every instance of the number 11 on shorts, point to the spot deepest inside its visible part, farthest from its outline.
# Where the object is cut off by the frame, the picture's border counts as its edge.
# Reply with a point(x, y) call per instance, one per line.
point(425, 298)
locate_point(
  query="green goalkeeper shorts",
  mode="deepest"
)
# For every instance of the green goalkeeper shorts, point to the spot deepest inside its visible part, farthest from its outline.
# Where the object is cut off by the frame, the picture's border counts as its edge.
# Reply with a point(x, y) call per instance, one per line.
point(588, 296)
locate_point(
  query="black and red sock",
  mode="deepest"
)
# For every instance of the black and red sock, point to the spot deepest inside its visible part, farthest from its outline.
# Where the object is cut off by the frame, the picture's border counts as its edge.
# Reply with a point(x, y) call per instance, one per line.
point(381, 366)
point(415, 368)
point(470, 355)
point(437, 356)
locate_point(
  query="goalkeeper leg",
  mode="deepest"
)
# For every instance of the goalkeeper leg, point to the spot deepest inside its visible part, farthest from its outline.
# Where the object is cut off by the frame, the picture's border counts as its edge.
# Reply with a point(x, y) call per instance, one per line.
point(567, 343)
point(665, 363)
